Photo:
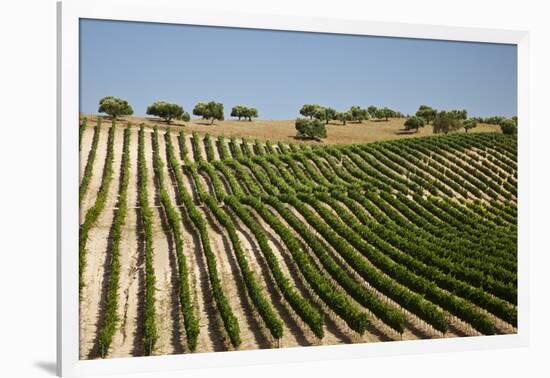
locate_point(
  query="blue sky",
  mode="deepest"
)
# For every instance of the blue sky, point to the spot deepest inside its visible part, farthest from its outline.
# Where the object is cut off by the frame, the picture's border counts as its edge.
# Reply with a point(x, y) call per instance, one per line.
point(277, 72)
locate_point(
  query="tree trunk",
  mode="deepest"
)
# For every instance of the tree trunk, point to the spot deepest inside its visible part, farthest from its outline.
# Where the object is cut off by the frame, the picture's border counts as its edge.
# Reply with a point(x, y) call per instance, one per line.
point(212, 122)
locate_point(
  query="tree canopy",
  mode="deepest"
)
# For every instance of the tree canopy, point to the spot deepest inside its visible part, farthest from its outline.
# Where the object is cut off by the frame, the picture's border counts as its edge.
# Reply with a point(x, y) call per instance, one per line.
point(415, 123)
point(509, 126)
point(358, 114)
point(209, 110)
point(468, 124)
point(309, 110)
point(310, 128)
point(167, 111)
point(344, 117)
point(446, 121)
point(372, 110)
point(115, 107)
point(241, 111)
point(427, 113)
point(325, 114)
point(384, 113)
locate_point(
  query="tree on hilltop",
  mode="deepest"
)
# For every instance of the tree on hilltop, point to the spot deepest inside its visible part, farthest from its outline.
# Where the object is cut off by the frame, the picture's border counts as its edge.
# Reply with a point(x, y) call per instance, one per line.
point(468, 124)
point(241, 111)
point(427, 113)
point(414, 123)
point(344, 117)
point(309, 110)
point(446, 121)
point(325, 114)
point(209, 110)
point(358, 114)
point(115, 107)
point(167, 111)
point(509, 126)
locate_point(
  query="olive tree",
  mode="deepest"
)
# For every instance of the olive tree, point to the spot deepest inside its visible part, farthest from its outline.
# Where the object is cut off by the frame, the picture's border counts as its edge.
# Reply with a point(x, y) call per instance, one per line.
point(309, 110)
point(372, 110)
point(167, 111)
point(241, 111)
point(509, 126)
point(325, 114)
point(427, 113)
point(310, 128)
point(344, 117)
point(209, 110)
point(358, 114)
point(445, 122)
point(385, 113)
point(414, 123)
point(468, 124)
point(115, 107)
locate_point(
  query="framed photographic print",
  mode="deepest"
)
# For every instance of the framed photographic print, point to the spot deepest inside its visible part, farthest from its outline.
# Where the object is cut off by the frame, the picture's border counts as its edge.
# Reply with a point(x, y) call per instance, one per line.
point(243, 188)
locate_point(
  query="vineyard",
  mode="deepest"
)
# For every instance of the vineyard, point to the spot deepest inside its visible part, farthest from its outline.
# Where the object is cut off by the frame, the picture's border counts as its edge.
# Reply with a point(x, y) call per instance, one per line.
point(196, 243)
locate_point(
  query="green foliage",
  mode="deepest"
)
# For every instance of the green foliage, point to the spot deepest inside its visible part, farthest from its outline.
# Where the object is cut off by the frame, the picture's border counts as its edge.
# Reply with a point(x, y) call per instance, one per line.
point(223, 151)
point(115, 107)
point(358, 114)
point(309, 110)
point(209, 110)
point(81, 128)
point(168, 111)
point(108, 326)
point(241, 111)
point(346, 309)
point(325, 114)
point(260, 301)
point(174, 221)
point(344, 117)
point(89, 169)
point(461, 115)
point(509, 126)
point(469, 124)
point(93, 212)
point(196, 144)
point(414, 123)
point(427, 113)
point(372, 110)
point(183, 147)
point(209, 148)
point(447, 121)
point(310, 128)
point(385, 113)
point(229, 320)
point(305, 310)
point(149, 332)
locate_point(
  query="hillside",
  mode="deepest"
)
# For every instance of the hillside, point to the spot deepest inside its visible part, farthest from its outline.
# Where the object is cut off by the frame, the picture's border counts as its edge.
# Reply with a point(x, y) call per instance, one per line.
point(195, 243)
point(284, 130)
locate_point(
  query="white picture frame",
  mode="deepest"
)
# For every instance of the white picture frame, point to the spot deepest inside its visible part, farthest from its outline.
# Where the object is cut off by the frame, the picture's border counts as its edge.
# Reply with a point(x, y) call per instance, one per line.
point(69, 13)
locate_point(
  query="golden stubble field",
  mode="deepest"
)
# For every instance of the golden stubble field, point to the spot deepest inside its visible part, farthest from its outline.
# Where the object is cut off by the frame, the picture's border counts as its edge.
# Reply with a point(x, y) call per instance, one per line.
point(284, 131)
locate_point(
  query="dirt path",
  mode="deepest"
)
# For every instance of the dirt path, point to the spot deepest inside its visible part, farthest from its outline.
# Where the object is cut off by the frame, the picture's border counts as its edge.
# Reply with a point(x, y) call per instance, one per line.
point(98, 251)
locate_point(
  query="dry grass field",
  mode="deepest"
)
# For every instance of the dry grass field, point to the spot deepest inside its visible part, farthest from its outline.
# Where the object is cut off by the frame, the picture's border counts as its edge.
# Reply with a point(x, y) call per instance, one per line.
point(284, 131)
